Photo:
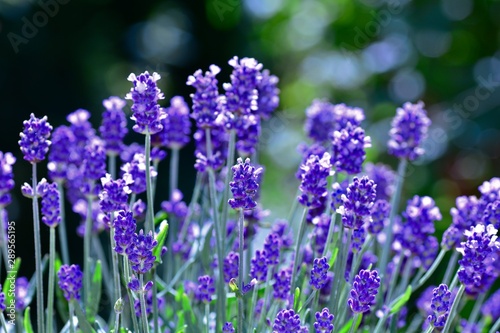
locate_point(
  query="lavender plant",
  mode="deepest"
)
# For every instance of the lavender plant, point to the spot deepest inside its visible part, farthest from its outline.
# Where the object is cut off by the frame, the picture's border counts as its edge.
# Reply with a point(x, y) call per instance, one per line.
point(352, 262)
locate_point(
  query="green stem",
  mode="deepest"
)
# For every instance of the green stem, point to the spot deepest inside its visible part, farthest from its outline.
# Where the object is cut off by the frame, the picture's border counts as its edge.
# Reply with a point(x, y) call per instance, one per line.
point(229, 164)
point(339, 268)
point(293, 209)
point(179, 273)
point(251, 307)
point(50, 300)
point(71, 315)
point(384, 259)
point(4, 324)
point(114, 259)
point(495, 326)
point(126, 270)
point(207, 315)
point(429, 329)
point(302, 227)
point(356, 263)
point(144, 316)
point(221, 300)
point(477, 308)
point(149, 225)
point(112, 166)
point(453, 309)
point(63, 239)
point(394, 277)
point(451, 267)
point(38, 255)
point(86, 251)
point(174, 170)
point(267, 290)
point(308, 300)
point(241, 310)
point(117, 321)
point(331, 230)
point(155, 301)
point(431, 270)
point(354, 323)
point(454, 282)
point(3, 238)
point(104, 265)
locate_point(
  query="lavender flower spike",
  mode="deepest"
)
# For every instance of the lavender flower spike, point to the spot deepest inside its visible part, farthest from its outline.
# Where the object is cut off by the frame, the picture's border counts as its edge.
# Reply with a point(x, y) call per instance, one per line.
point(357, 203)
point(319, 272)
point(206, 100)
point(176, 125)
point(244, 185)
point(324, 321)
point(287, 321)
point(268, 93)
point(228, 328)
point(124, 225)
point(114, 125)
point(7, 160)
point(440, 305)
point(348, 147)
point(34, 141)
point(114, 194)
point(145, 94)
point(50, 205)
point(140, 252)
point(206, 289)
point(70, 281)
point(364, 290)
point(314, 180)
point(409, 129)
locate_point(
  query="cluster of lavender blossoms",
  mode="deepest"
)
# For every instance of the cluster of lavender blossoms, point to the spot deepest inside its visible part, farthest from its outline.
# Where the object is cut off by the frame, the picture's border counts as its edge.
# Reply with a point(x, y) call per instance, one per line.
point(347, 257)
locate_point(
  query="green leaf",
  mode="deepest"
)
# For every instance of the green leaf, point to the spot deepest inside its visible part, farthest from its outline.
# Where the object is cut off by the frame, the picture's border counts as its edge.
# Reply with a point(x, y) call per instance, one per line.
point(334, 257)
point(401, 300)
point(180, 322)
point(95, 293)
point(160, 216)
point(9, 286)
point(160, 238)
point(186, 307)
point(82, 321)
point(296, 299)
point(27, 322)
point(346, 327)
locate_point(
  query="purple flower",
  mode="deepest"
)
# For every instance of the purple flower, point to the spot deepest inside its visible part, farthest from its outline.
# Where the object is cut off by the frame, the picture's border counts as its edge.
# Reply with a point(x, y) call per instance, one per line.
point(50, 205)
point(228, 328)
point(324, 321)
point(136, 170)
point(2, 300)
point(380, 216)
point(206, 100)
point(320, 232)
point(219, 139)
point(440, 305)
point(241, 93)
point(491, 214)
point(258, 266)
point(409, 129)
point(34, 141)
point(306, 151)
point(62, 153)
point(145, 94)
point(176, 125)
point(314, 180)
point(247, 134)
point(358, 239)
point(206, 288)
point(114, 194)
point(346, 114)
point(492, 306)
point(175, 206)
point(231, 266)
point(282, 284)
point(81, 128)
point(22, 290)
point(476, 271)
point(7, 160)
point(427, 252)
point(383, 176)
point(140, 252)
point(466, 213)
point(468, 327)
point(149, 304)
point(70, 281)
point(338, 189)
point(490, 192)
point(451, 237)
point(272, 245)
point(268, 92)
point(320, 121)
point(94, 161)
point(364, 290)
point(287, 321)
point(282, 229)
point(319, 273)
point(125, 226)
point(348, 148)
point(114, 125)
point(357, 203)
point(244, 185)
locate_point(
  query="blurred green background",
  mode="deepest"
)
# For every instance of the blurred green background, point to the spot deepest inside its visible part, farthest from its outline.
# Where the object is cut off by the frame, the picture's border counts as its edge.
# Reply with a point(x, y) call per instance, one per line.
point(58, 56)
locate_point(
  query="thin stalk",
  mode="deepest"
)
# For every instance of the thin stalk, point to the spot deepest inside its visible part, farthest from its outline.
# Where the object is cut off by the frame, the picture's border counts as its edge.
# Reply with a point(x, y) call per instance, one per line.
point(331, 229)
point(477, 308)
point(429, 329)
point(241, 310)
point(104, 265)
point(302, 227)
point(117, 320)
point(114, 259)
point(311, 297)
point(495, 326)
point(194, 200)
point(86, 251)
point(340, 266)
point(267, 290)
point(229, 164)
point(155, 301)
point(38, 256)
point(112, 166)
point(384, 259)
point(354, 323)
point(52, 259)
point(63, 239)
point(404, 279)
point(149, 225)
point(178, 274)
point(3, 238)
point(4, 324)
point(144, 316)
point(451, 267)
point(126, 270)
point(453, 309)
point(366, 245)
point(293, 209)
point(431, 270)
point(394, 277)
point(207, 313)
point(71, 315)
point(314, 306)
point(174, 170)
point(251, 307)
point(454, 282)
point(221, 300)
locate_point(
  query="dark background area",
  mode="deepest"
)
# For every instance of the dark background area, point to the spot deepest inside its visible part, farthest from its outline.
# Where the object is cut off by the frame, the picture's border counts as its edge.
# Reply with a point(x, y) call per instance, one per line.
point(372, 54)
